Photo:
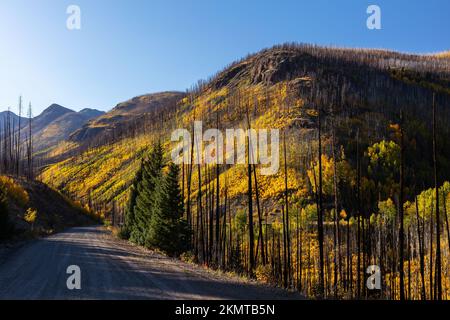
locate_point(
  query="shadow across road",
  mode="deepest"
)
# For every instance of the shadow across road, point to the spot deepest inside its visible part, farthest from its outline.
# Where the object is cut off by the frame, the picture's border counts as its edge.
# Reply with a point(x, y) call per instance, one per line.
point(114, 269)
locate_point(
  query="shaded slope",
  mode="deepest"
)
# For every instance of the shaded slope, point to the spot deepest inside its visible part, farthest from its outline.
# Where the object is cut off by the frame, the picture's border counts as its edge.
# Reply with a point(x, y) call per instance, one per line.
point(54, 211)
point(114, 269)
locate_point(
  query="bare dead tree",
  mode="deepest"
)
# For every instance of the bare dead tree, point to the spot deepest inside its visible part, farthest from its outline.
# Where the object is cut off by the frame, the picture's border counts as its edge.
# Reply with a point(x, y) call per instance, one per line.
point(336, 235)
point(421, 252)
point(401, 234)
point(358, 217)
point(30, 143)
point(286, 204)
point(438, 223)
point(320, 211)
point(18, 143)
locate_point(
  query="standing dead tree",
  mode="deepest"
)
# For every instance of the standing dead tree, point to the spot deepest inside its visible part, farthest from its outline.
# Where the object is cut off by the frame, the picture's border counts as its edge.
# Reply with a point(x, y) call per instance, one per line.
point(401, 233)
point(30, 174)
point(438, 224)
point(320, 212)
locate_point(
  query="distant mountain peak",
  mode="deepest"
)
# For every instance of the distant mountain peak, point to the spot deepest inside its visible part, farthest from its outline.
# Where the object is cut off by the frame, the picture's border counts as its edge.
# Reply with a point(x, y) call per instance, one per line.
point(8, 112)
point(86, 110)
point(56, 108)
point(91, 111)
point(125, 112)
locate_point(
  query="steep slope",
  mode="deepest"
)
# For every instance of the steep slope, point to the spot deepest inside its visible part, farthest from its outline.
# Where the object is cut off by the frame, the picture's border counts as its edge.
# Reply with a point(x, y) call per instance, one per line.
point(90, 113)
point(39, 122)
point(54, 212)
point(359, 91)
point(125, 115)
point(102, 173)
point(48, 129)
point(61, 127)
point(49, 115)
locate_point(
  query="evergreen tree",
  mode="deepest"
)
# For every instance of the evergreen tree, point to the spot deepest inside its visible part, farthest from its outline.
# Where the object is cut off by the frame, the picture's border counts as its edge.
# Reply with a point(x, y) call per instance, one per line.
point(125, 232)
point(168, 230)
point(145, 195)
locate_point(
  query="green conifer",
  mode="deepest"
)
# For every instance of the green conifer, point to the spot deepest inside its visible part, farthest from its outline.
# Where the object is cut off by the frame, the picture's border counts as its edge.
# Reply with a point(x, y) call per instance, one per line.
point(168, 229)
point(125, 232)
point(145, 195)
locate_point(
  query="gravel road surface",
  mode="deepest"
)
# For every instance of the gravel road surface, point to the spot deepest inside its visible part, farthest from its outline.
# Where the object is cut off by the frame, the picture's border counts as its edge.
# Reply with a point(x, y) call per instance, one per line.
point(114, 269)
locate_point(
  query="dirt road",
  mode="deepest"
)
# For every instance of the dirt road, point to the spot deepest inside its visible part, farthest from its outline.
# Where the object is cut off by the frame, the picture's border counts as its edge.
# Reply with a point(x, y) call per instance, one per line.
point(114, 269)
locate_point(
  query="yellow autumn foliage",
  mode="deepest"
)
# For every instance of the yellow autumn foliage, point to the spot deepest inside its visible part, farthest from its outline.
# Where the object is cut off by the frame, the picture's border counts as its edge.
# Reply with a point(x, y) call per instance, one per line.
point(30, 216)
point(15, 191)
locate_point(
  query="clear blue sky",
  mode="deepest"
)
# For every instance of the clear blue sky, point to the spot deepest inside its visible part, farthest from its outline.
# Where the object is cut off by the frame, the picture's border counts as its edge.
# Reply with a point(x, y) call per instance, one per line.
point(128, 48)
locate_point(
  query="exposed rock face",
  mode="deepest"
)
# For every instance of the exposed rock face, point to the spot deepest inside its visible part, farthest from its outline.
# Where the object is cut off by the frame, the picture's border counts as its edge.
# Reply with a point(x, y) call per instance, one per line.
point(267, 68)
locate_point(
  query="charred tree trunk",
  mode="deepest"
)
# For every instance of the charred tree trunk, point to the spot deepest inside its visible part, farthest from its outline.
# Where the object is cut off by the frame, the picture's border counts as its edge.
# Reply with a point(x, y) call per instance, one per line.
point(401, 234)
point(30, 144)
point(358, 220)
point(438, 223)
point(285, 263)
point(320, 214)
point(251, 256)
point(18, 139)
point(286, 204)
point(336, 236)
point(421, 253)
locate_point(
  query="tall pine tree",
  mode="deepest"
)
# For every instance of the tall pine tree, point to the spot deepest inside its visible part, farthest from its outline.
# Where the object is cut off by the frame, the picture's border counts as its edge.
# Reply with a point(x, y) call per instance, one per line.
point(150, 175)
point(168, 229)
point(129, 211)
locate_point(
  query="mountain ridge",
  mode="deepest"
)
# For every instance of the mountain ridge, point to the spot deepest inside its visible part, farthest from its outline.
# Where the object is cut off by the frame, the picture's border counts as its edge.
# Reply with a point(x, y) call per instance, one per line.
point(52, 125)
point(124, 114)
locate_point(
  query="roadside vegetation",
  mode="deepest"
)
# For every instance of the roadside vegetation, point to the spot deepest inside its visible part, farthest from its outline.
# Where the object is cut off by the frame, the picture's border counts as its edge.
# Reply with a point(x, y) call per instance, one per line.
point(155, 211)
point(30, 209)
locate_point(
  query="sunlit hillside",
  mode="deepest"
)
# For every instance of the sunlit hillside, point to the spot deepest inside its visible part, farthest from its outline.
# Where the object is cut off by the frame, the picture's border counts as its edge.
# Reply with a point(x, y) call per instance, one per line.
point(445, 54)
point(280, 88)
point(37, 210)
point(101, 175)
point(371, 113)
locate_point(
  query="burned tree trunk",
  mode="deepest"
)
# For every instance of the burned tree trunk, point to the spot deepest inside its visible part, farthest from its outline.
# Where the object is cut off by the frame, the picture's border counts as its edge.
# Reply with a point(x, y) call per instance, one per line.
point(286, 203)
point(421, 253)
point(320, 213)
point(401, 233)
point(438, 224)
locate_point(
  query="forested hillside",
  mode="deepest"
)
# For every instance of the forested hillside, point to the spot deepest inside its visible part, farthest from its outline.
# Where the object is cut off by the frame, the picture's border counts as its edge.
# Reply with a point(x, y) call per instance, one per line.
point(364, 142)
